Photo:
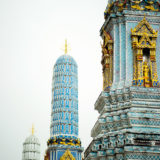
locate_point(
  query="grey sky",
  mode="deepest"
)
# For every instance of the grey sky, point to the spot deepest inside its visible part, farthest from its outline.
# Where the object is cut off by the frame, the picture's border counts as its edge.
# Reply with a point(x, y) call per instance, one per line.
point(32, 33)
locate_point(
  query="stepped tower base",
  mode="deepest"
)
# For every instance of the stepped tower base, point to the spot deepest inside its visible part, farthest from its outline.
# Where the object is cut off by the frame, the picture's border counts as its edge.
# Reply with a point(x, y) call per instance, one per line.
point(128, 127)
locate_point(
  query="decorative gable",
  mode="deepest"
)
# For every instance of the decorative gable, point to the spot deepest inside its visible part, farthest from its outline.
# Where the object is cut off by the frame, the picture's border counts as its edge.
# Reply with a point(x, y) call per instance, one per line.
point(145, 42)
point(67, 156)
point(143, 35)
point(144, 27)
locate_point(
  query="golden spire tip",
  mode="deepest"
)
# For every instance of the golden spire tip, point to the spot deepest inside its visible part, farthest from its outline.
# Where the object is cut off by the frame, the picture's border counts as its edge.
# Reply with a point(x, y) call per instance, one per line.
point(32, 129)
point(66, 47)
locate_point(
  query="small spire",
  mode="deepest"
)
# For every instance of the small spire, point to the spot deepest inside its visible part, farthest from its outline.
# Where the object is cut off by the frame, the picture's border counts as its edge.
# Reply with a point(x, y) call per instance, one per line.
point(32, 129)
point(66, 47)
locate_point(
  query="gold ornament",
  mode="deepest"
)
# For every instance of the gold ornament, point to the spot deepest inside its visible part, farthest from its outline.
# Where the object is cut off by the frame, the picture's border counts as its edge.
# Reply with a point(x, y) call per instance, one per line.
point(67, 156)
point(107, 58)
point(144, 37)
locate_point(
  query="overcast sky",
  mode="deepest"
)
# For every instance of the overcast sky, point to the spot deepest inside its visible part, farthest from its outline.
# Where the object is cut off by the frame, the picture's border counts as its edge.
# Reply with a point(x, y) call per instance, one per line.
point(32, 33)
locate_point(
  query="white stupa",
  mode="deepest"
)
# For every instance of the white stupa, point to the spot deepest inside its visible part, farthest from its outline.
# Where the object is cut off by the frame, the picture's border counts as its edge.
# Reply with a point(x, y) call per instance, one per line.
point(31, 148)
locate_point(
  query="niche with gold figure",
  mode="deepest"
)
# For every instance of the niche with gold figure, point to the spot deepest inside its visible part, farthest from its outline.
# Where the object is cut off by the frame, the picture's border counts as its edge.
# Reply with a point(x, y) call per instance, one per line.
point(107, 60)
point(144, 55)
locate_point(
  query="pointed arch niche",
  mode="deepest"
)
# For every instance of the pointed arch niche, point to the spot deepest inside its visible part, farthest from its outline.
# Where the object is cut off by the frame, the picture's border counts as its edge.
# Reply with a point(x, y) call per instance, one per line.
point(107, 60)
point(67, 156)
point(144, 55)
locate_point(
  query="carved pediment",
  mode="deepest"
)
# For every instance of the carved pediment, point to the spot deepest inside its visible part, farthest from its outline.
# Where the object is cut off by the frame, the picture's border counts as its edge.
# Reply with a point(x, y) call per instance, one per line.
point(67, 156)
point(143, 35)
point(145, 42)
point(144, 27)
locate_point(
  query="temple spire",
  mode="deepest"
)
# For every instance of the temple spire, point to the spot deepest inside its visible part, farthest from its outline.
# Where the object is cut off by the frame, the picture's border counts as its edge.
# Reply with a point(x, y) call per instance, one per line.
point(66, 133)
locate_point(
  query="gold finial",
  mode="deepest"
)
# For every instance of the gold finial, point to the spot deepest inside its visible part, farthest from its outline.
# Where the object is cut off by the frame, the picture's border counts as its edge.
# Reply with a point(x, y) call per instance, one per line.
point(66, 47)
point(32, 129)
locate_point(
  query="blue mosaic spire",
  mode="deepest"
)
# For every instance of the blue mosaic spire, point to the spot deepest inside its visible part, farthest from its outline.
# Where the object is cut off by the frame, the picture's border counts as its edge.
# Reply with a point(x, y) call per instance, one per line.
point(64, 139)
point(64, 118)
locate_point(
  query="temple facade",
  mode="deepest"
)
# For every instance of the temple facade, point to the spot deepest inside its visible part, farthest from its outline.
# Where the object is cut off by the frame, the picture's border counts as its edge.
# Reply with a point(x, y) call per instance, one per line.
point(64, 142)
point(128, 126)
